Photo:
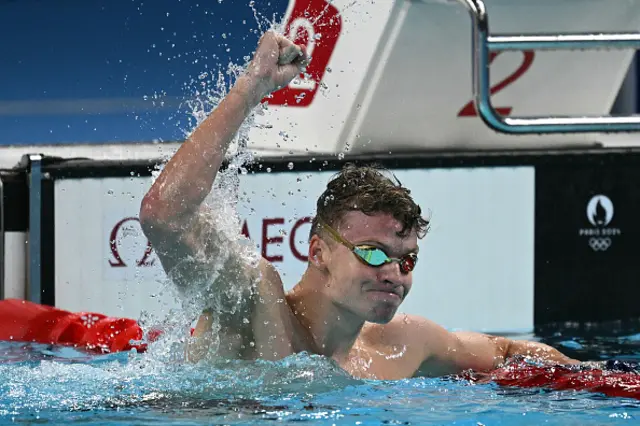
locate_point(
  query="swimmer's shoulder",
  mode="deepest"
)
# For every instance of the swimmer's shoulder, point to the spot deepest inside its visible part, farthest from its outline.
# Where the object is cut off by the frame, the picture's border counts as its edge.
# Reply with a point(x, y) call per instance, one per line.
point(269, 290)
point(268, 278)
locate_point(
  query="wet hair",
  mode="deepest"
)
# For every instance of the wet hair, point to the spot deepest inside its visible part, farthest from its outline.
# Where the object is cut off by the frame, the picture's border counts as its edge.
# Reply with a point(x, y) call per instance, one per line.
point(369, 189)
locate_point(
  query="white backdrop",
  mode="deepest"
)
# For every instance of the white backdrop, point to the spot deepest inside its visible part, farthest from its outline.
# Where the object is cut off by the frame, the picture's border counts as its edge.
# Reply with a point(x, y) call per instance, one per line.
point(475, 270)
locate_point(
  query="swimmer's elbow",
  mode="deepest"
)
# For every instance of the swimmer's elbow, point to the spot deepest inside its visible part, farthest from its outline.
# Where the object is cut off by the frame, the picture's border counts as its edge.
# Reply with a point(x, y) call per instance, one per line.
point(154, 216)
point(150, 207)
point(152, 221)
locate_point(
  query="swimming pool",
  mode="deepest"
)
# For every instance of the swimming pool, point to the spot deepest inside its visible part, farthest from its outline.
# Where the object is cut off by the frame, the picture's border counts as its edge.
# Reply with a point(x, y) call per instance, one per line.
point(55, 385)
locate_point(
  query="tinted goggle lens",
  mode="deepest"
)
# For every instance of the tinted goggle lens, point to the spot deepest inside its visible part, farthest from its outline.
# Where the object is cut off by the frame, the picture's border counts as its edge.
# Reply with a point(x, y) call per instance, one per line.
point(374, 256)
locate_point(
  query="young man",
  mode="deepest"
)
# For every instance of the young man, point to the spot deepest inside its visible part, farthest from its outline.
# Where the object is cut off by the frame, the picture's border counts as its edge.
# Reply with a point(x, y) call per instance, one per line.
point(362, 249)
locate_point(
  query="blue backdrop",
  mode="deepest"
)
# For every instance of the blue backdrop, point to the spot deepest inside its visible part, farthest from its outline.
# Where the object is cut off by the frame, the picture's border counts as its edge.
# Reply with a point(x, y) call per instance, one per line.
point(87, 71)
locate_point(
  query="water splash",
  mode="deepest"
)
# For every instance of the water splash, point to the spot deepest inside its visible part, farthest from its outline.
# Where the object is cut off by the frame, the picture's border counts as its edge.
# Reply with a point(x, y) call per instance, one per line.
point(51, 378)
point(208, 89)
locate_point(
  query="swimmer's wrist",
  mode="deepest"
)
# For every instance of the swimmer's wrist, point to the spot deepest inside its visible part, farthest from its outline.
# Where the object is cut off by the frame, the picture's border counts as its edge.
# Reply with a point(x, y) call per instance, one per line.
point(249, 90)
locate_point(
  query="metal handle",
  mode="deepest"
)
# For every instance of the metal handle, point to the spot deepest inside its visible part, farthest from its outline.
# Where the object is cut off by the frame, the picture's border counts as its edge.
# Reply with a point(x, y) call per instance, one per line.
point(33, 164)
point(482, 43)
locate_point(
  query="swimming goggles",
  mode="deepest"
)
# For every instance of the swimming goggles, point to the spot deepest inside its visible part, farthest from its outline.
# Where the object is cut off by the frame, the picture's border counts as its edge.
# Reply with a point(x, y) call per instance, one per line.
point(372, 255)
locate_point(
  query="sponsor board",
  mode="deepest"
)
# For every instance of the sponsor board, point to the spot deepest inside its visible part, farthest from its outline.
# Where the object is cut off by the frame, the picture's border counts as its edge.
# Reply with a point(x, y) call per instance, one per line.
point(119, 276)
point(475, 269)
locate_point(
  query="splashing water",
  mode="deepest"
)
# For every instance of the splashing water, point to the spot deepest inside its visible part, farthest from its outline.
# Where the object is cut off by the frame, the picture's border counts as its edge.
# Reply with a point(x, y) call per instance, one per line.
point(50, 382)
point(221, 208)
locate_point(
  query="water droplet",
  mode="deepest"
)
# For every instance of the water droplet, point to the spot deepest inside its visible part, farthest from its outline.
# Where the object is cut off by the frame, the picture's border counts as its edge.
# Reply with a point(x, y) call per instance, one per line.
point(290, 165)
point(341, 156)
point(110, 192)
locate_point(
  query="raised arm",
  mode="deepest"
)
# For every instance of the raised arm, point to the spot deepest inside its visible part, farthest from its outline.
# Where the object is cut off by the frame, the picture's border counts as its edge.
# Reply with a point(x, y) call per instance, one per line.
point(186, 238)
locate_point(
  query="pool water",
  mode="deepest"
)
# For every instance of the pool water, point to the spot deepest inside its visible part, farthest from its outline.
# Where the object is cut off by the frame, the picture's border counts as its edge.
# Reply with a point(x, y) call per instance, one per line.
point(56, 385)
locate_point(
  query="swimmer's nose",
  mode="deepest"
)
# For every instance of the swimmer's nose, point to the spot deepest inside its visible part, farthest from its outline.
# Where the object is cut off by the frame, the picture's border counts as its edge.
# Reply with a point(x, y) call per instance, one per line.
point(392, 281)
point(391, 275)
point(392, 271)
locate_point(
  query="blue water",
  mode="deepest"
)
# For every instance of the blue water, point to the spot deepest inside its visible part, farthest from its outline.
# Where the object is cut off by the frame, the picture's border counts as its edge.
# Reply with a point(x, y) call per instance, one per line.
point(54, 385)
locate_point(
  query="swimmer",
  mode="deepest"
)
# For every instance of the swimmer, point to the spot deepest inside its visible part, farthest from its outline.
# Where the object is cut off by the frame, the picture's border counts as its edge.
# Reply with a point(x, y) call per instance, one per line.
point(363, 247)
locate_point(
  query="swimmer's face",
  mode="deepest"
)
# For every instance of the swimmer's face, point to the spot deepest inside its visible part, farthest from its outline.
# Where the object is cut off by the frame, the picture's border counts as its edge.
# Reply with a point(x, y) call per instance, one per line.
point(371, 293)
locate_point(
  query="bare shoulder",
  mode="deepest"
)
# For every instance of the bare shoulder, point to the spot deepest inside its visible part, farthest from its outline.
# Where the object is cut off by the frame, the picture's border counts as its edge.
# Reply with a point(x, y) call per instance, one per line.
point(268, 281)
point(268, 272)
point(269, 292)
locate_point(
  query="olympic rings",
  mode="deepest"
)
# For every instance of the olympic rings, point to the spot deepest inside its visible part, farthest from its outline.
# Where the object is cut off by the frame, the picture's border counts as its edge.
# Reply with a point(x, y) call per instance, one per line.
point(600, 244)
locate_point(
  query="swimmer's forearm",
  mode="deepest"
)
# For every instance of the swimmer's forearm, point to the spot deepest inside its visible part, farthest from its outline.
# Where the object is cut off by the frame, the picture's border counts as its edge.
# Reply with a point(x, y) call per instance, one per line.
point(537, 350)
point(187, 178)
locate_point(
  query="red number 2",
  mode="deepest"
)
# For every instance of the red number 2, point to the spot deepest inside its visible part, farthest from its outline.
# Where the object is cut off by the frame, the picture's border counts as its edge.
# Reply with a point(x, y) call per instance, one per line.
point(469, 110)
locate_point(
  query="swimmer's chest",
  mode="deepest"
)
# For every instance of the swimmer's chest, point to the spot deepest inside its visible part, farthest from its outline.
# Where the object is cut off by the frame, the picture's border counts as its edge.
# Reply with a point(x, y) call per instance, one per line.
point(381, 362)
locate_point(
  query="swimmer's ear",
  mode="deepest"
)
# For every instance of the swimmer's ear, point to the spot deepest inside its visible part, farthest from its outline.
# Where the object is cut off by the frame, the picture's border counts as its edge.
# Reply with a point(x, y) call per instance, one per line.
point(318, 252)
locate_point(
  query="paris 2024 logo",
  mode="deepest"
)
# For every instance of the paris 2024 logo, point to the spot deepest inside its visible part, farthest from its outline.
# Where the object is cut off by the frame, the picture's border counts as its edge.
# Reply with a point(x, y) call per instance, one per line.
point(600, 214)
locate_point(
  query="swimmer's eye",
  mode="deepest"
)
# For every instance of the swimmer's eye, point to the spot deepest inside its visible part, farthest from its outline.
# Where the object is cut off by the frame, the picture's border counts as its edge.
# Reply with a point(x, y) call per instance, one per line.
point(372, 255)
